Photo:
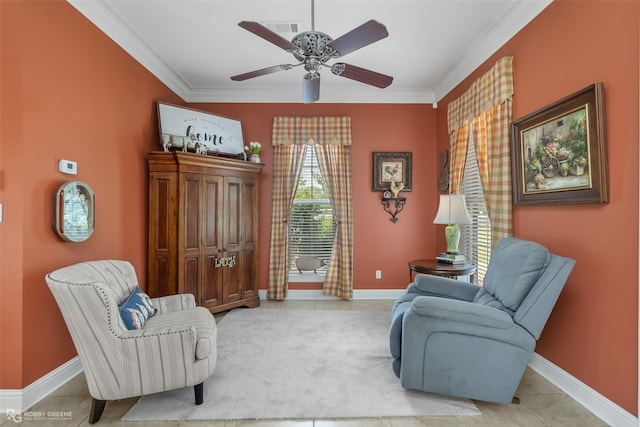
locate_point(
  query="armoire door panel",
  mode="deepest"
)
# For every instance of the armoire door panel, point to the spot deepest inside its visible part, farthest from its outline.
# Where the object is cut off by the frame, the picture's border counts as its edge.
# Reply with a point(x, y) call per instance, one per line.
point(232, 214)
point(161, 208)
point(191, 272)
point(191, 212)
point(212, 215)
point(249, 274)
point(231, 283)
point(212, 283)
point(250, 212)
point(162, 274)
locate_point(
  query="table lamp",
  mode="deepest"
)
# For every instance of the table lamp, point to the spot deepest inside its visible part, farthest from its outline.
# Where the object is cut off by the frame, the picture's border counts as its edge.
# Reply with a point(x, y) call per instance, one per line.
point(452, 211)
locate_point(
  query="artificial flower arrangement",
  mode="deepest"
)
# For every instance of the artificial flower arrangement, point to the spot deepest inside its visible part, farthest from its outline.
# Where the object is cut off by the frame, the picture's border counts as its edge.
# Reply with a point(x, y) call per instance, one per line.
point(254, 147)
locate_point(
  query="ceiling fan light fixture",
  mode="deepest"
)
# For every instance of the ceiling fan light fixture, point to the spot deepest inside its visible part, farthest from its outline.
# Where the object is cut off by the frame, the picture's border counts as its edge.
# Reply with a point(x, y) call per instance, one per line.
point(311, 88)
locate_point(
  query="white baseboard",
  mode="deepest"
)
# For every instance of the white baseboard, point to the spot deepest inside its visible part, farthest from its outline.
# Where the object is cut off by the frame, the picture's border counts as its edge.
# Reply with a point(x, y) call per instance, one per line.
point(602, 407)
point(358, 294)
point(19, 400)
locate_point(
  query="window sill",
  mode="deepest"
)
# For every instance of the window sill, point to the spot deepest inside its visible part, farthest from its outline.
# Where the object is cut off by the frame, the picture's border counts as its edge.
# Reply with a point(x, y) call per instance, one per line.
point(306, 277)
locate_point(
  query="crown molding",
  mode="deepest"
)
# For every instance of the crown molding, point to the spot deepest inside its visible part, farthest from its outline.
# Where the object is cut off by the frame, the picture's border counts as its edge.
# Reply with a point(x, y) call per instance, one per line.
point(520, 15)
point(329, 95)
point(116, 27)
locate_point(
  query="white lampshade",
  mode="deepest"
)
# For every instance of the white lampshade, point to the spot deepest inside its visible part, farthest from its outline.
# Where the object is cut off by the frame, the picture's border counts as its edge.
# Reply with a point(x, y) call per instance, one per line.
point(452, 210)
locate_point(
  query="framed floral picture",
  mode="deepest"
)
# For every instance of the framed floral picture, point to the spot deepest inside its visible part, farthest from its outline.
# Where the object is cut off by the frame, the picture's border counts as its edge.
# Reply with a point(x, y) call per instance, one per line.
point(559, 153)
point(391, 166)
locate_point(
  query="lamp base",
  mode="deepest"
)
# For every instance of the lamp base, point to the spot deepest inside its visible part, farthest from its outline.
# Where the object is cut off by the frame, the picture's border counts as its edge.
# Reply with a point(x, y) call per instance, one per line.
point(452, 235)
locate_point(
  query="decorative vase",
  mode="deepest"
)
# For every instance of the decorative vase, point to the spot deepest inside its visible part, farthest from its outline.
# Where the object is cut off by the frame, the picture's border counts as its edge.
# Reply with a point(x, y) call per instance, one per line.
point(254, 158)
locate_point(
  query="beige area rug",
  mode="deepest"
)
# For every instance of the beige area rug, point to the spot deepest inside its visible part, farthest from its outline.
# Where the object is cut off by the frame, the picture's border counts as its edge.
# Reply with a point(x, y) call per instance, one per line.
point(284, 364)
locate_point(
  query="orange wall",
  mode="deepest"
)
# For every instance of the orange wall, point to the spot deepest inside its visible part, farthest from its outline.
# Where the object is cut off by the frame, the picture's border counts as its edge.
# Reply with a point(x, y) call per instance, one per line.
point(69, 92)
point(379, 244)
point(592, 333)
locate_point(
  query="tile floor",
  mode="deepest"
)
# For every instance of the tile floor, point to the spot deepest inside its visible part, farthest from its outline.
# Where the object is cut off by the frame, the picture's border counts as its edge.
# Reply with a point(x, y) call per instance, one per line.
point(542, 404)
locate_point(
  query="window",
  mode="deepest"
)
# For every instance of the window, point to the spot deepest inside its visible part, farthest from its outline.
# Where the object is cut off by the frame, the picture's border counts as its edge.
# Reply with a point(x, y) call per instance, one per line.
point(475, 238)
point(311, 224)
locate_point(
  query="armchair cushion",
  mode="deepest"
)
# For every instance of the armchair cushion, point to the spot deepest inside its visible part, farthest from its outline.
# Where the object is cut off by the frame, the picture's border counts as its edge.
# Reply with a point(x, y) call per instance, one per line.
point(516, 265)
point(136, 309)
point(198, 318)
point(462, 311)
point(444, 287)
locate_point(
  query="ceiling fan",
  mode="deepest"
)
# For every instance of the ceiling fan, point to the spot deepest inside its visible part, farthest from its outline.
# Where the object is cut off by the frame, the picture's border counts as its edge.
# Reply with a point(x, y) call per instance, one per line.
point(314, 49)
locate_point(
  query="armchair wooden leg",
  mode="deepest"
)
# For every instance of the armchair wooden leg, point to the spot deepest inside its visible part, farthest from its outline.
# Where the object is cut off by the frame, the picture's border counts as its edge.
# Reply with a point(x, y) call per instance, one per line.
point(515, 400)
point(199, 391)
point(97, 406)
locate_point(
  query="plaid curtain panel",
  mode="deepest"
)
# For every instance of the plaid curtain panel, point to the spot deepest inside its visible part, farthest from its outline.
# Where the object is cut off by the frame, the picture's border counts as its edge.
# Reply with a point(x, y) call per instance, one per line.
point(491, 130)
point(287, 165)
point(331, 137)
point(459, 144)
point(335, 165)
point(486, 107)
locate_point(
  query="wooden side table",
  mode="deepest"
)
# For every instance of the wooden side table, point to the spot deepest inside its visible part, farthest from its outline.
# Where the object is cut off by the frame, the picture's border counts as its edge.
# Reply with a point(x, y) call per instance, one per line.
point(432, 266)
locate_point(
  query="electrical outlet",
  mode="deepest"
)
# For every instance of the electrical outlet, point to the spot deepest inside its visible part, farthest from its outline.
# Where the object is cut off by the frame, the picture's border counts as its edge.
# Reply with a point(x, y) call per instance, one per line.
point(378, 274)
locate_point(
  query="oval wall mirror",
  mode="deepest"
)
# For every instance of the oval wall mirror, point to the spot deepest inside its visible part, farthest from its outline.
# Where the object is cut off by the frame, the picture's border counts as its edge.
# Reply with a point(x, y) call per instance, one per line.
point(74, 211)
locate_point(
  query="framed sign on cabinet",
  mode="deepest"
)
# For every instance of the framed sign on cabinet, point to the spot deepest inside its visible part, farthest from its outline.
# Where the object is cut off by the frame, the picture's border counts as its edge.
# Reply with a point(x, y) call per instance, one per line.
point(191, 129)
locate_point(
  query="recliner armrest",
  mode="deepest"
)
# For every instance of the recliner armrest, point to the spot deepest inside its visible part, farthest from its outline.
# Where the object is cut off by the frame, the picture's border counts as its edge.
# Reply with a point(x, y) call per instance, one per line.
point(462, 311)
point(171, 303)
point(429, 285)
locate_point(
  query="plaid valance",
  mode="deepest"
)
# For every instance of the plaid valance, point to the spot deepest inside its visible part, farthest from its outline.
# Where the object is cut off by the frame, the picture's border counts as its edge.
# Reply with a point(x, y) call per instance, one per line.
point(493, 88)
point(311, 130)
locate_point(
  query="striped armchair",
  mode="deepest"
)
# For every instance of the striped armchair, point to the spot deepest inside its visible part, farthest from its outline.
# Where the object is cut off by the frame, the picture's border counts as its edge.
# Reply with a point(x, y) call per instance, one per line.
point(174, 348)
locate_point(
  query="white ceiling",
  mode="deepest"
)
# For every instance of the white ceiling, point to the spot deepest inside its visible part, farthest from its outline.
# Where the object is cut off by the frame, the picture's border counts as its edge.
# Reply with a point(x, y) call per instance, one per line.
point(195, 46)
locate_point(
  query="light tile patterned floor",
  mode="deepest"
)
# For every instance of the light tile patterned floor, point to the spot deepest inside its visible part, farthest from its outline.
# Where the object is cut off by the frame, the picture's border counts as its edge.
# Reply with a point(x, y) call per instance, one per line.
point(542, 404)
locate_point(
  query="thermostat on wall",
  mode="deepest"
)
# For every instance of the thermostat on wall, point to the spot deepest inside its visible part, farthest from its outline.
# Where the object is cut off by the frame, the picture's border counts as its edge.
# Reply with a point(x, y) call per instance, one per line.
point(69, 167)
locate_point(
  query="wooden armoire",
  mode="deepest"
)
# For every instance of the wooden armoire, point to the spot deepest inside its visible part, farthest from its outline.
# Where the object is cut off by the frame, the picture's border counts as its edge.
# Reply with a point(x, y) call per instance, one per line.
point(203, 228)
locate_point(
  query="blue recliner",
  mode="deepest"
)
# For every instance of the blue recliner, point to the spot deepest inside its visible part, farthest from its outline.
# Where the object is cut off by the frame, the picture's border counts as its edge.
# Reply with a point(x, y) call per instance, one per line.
point(459, 339)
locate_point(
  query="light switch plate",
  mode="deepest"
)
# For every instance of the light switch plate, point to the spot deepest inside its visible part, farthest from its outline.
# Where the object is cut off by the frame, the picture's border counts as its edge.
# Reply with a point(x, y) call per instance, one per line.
point(68, 167)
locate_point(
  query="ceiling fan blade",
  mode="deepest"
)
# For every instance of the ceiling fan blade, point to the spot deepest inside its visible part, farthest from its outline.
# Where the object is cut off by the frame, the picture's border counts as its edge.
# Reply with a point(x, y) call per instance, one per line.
point(262, 31)
point(367, 33)
point(361, 74)
point(311, 88)
point(262, 72)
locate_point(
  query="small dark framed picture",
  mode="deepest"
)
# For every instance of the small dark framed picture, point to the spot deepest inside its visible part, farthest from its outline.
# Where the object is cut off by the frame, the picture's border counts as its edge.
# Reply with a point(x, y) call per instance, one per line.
point(391, 167)
point(559, 153)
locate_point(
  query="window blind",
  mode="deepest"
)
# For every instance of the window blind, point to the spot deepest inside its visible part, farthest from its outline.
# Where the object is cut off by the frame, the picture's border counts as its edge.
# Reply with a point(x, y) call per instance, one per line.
point(311, 224)
point(475, 238)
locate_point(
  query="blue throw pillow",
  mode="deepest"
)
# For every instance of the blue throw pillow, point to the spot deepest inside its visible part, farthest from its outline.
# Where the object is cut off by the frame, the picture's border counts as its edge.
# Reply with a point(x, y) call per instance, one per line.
point(136, 309)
